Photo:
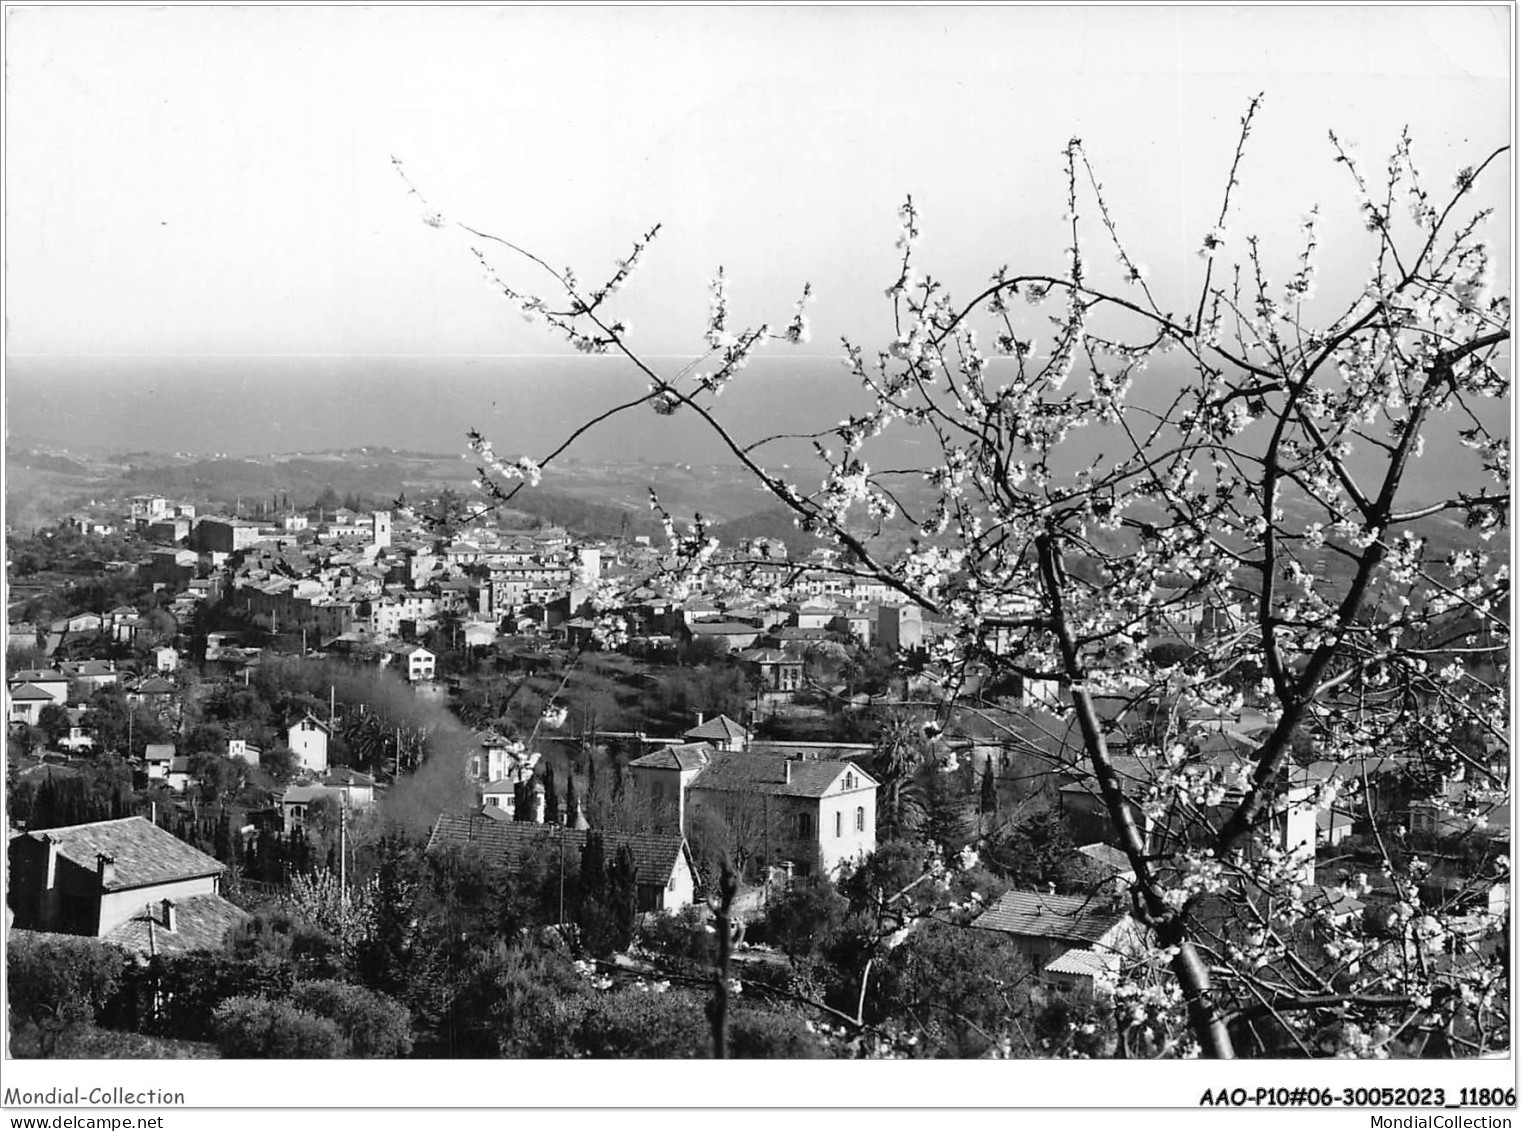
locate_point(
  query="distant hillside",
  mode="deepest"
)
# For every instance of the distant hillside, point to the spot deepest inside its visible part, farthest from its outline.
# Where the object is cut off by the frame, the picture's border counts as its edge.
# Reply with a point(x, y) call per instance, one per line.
point(580, 516)
point(775, 523)
point(42, 461)
point(227, 480)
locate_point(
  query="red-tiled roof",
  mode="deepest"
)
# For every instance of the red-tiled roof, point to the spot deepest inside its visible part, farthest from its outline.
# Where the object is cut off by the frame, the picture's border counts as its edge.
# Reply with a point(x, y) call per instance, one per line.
point(816, 751)
point(507, 843)
point(775, 775)
point(1071, 918)
point(144, 853)
point(719, 729)
point(722, 628)
point(1084, 963)
point(38, 675)
point(30, 692)
point(1108, 858)
point(688, 756)
point(201, 922)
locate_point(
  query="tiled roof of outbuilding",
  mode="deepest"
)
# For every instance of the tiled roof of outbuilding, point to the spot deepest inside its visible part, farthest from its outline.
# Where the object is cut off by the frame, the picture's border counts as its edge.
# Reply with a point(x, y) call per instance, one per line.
point(201, 922)
point(1071, 918)
point(718, 729)
point(508, 843)
point(687, 756)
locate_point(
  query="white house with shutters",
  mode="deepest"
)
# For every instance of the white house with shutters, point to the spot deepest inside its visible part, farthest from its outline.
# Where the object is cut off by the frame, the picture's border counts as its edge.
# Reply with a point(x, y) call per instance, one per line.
point(307, 739)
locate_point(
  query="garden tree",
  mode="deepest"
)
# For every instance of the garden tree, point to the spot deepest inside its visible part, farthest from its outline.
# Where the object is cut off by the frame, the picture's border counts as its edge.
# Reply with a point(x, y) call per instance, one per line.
point(386, 954)
point(53, 722)
point(959, 993)
point(324, 814)
point(217, 777)
point(447, 513)
point(348, 915)
point(284, 936)
point(1108, 454)
point(257, 1027)
point(206, 737)
point(740, 832)
point(373, 1025)
point(945, 822)
point(225, 845)
point(120, 727)
point(23, 654)
point(1039, 851)
point(606, 898)
point(27, 738)
point(279, 762)
point(102, 792)
point(54, 982)
point(522, 802)
point(517, 999)
point(805, 918)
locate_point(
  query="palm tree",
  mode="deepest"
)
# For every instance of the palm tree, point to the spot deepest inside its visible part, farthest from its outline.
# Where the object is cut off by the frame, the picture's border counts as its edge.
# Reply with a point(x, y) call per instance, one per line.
point(900, 749)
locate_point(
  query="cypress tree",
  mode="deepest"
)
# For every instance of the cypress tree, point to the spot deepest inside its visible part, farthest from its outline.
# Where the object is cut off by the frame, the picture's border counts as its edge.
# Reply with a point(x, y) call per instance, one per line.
point(944, 814)
point(572, 801)
point(551, 798)
point(623, 897)
point(987, 803)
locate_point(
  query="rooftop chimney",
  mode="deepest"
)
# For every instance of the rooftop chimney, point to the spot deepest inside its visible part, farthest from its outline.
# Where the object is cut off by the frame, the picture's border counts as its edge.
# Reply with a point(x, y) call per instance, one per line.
point(52, 876)
point(787, 771)
point(699, 718)
point(171, 920)
point(105, 869)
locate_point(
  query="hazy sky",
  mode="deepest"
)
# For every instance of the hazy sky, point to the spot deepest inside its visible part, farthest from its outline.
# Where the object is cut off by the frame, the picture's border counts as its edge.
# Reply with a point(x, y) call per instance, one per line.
point(188, 181)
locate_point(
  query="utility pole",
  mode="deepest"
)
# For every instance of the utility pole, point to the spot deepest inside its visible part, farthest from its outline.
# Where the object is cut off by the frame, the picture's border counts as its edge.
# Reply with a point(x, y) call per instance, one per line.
point(562, 876)
point(343, 854)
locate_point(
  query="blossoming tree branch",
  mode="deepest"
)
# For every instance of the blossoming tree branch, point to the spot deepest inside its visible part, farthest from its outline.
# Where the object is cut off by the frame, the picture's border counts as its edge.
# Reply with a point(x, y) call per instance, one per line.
point(1260, 453)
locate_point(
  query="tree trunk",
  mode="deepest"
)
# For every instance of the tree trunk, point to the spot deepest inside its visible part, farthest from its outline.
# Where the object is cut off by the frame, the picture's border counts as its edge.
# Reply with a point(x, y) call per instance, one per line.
point(718, 1009)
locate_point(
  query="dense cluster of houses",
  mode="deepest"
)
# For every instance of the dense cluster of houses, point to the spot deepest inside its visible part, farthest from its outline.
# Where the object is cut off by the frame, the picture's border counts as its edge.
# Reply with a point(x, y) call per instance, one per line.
point(370, 586)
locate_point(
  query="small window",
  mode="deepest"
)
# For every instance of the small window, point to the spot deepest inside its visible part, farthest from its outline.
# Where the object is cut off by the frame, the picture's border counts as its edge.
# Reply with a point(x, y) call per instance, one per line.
point(850, 781)
point(860, 819)
point(804, 824)
point(839, 824)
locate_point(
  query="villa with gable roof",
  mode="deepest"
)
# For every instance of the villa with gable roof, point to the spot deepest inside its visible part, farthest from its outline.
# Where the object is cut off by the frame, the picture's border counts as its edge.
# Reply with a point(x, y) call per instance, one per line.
point(126, 882)
point(813, 814)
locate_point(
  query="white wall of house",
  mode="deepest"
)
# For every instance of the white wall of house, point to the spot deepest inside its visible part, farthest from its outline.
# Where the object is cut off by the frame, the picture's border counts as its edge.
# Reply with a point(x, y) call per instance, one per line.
point(847, 824)
point(308, 742)
point(681, 889)
point(118, 906)
point(27, 710)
